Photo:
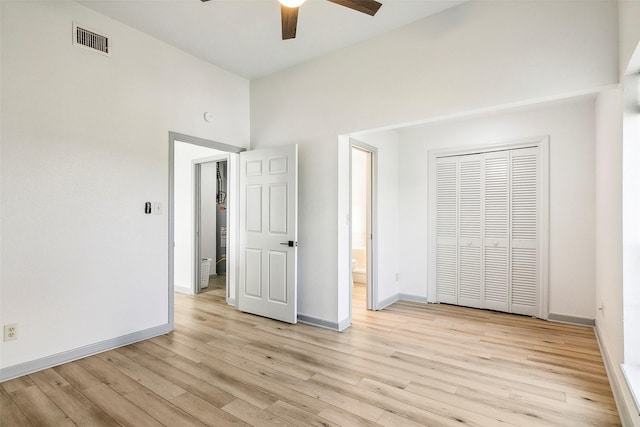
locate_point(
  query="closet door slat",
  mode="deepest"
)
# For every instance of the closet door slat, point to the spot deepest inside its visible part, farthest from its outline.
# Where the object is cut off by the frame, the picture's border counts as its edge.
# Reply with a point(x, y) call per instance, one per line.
point(447, 230)
point(524, 231)
point(496, 230)
point(470, 215)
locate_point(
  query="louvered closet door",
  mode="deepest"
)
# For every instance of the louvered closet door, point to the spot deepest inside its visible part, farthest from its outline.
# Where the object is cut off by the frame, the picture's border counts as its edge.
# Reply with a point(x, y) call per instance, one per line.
point(446, 230)
point(470, 216)
point(496, 230)
point(525, 252)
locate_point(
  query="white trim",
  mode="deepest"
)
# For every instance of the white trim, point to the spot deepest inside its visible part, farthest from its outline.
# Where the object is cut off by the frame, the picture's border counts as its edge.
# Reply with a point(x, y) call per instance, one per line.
point(320, 323)
point(631, 375)
point(196, 170)
point(388, 301)
point(79, 353)
point(372, 252)
point(542, 142)
point(183, 290)
point(572, 320)
point(618, 394)
point(413, 298)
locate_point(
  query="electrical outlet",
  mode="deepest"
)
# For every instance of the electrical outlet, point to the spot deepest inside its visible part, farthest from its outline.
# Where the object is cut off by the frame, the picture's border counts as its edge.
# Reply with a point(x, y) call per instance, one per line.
point(10, 331)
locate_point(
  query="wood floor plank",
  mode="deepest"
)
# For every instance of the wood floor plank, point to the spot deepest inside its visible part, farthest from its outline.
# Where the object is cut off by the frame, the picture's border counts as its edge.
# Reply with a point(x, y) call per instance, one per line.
point(119, 408)
point(254, 416)
point(161, 409)
point(79, 408)
point(10, 414)
point(408, 365)
point(205, 412)
point(38, 408)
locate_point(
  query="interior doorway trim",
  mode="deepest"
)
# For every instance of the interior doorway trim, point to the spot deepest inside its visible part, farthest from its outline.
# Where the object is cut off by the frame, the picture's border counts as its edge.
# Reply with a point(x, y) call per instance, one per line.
point(197, 165)
point(372, 251)
point(173, 138)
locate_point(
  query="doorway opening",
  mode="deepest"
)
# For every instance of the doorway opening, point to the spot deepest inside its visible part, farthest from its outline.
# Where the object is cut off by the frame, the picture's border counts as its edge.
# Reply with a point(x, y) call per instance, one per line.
point(211, 223)
point(187, 154)
point(362, 226)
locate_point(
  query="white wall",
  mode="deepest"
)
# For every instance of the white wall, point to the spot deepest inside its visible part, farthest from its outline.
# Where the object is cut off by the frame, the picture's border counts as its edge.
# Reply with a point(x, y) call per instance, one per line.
point(609, 288)
point(628, 36)
point(571, 130)
point(477, 55)
point(388, 220)
point(184, 203)
point(360, 173)
point(208, 213)
point(84, 145)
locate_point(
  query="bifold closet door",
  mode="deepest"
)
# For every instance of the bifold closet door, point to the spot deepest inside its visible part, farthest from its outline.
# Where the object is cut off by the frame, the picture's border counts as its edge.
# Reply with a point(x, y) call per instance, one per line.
point(470, 216)
point(447, 230)
point(487, 230)
point(496, 230)
point(525, 251)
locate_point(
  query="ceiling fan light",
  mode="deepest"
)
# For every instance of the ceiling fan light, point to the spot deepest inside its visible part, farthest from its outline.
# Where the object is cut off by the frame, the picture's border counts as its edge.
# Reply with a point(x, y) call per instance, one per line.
point(291, 3)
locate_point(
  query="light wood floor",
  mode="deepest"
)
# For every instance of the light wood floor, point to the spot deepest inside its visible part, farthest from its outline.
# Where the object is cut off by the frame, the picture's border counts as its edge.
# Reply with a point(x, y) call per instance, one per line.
point(408, 365)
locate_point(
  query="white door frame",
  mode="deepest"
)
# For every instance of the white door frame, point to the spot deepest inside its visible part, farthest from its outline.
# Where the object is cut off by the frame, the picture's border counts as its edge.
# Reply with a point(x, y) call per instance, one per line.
point(179, 137)
point(372, 246)
point(197, 220)
point(542, 142)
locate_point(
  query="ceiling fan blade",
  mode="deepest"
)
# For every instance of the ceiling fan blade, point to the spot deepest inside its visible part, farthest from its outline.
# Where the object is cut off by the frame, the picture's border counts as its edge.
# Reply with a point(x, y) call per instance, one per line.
point(289, 22)
point(370, 7)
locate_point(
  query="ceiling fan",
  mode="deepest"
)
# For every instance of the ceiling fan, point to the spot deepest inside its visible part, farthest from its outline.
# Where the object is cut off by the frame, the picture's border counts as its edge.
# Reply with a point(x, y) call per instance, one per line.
point(289, 12)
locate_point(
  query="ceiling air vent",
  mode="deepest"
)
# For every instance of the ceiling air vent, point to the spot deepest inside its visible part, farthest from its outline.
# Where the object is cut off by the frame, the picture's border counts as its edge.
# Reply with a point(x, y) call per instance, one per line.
point(90, 40)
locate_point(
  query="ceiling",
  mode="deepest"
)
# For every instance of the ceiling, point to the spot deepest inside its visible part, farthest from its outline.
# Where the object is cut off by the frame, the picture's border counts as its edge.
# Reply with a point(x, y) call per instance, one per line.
point(244, 36)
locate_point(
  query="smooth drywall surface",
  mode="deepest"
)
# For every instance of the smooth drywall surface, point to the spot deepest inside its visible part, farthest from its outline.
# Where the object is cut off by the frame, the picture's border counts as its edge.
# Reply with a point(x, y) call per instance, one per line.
point(360, 187)
point(474, 56)
point(84, 146)
point(630, 215)
point(609, 221)
point(208, 213)
point(571, 131)
point(184, 217)
point(609, 289)
point(388, 213)
point(629, 36)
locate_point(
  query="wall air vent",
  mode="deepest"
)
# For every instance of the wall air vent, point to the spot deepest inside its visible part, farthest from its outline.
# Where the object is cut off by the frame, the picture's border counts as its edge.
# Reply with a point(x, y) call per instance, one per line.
point(90, 40)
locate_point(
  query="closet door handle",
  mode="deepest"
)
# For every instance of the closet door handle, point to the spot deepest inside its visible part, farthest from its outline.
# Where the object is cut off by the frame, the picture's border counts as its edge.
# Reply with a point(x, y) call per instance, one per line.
point(290, 243)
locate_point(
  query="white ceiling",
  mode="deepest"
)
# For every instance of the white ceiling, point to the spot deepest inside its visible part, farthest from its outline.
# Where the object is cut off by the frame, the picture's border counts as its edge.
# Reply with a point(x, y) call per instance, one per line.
point(244, 36)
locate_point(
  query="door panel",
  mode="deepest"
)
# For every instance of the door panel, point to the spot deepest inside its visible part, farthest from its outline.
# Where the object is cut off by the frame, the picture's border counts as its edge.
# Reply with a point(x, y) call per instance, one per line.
point(470, 283)
point(268, 233)
point(496, 230)
point(524, 231)
point(447, 230)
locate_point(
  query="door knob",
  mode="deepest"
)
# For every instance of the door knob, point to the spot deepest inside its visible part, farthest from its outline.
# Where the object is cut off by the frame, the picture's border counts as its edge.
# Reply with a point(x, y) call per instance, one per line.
point(290, 243)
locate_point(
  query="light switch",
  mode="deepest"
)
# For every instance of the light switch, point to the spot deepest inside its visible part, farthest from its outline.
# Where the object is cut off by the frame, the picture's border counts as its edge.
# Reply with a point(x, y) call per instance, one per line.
point(157, 208)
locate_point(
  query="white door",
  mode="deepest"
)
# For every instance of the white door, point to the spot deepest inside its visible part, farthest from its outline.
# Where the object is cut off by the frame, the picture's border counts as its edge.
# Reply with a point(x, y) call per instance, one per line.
point(470, 283)
point(525, 254)
point(496, 230)
point(447, 230)
point(269, 233)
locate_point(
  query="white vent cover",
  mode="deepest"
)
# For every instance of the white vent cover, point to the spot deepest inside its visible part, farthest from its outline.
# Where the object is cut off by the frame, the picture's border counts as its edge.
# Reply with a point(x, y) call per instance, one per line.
point(91, 40)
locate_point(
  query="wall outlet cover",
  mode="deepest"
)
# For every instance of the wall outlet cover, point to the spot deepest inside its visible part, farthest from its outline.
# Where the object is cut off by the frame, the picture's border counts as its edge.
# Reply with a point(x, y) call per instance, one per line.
point(10, 331)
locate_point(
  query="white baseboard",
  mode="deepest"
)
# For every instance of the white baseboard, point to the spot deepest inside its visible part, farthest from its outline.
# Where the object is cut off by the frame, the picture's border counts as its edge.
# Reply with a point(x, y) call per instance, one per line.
point(618, 394)
point(574, 320)
point(413, 298)
point(320, 323)
point(78, 353)
point(183, 290)
point(387, 302)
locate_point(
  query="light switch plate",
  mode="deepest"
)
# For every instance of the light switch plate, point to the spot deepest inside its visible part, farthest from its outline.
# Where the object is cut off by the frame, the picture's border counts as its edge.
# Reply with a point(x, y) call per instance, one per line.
point(157, 208)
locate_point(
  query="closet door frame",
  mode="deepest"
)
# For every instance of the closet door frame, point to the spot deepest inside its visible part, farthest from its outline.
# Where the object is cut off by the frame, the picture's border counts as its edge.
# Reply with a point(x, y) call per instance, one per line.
point(542, 142)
